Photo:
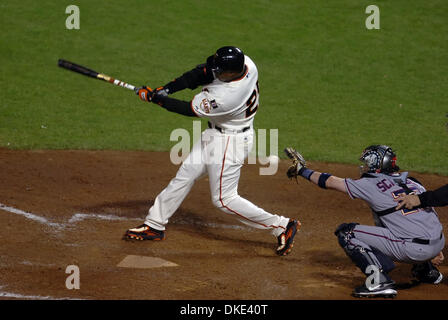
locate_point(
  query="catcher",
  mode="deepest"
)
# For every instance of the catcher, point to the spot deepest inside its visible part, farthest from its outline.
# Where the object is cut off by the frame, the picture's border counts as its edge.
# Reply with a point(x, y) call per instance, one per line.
point(410, 236)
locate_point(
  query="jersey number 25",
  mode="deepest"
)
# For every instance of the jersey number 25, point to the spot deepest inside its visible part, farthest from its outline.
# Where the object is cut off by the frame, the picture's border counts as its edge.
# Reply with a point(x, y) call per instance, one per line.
point(251, 102)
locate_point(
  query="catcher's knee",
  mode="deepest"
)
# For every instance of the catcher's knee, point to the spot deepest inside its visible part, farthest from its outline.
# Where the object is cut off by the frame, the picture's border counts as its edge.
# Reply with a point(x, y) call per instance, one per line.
point(344, 233)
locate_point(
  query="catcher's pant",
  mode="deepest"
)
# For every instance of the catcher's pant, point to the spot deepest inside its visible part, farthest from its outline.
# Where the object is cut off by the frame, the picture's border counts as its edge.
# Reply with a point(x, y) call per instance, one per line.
point(221, 156)
point(402, 250)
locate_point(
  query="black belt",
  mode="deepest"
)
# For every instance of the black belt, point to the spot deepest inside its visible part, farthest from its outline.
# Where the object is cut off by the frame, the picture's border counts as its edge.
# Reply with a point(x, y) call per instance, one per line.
point(385, 212)
point(222, 130)
point(425, 241)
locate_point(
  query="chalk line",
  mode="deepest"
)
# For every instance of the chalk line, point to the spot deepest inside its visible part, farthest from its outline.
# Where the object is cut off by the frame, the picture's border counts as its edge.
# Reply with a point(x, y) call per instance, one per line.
point(77, 217)
point(30, 216)
point(5, 294)
point(83, 216)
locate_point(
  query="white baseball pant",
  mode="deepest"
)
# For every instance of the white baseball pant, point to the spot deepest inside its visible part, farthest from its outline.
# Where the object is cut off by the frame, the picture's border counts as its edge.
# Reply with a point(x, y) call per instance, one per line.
point(221, 156)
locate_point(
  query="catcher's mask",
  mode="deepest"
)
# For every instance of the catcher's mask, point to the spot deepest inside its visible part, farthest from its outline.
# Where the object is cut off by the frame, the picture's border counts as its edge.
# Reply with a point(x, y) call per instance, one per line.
point(378, 158)
point(227, 59)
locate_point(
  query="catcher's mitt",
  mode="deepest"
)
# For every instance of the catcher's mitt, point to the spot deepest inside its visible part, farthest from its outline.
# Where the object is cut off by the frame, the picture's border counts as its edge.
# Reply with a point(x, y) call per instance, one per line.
point(298, 162)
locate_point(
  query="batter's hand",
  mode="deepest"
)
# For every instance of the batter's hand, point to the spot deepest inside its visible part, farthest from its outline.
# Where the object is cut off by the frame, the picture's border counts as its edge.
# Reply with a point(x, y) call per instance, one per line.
point(408, 201)
point(145, 93)
point(161, 91)
point(298, 162)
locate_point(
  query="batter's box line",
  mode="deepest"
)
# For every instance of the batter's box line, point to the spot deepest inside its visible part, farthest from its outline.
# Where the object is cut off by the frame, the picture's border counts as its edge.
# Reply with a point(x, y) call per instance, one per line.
point(12, 295)
point(78, 217)
point(31, 216)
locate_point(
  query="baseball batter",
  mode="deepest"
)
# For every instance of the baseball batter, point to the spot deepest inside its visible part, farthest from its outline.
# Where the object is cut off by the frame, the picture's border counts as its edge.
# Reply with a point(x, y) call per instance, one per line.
point(229, 100)
point(410, 236)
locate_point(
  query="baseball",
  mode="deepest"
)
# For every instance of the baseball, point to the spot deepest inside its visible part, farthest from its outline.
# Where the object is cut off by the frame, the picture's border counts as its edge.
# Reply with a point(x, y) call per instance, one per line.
point(273, 159)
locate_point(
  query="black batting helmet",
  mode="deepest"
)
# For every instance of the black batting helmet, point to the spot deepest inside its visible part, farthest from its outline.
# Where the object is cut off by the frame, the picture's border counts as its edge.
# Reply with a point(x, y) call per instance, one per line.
point(379, 158)
point(228, 59)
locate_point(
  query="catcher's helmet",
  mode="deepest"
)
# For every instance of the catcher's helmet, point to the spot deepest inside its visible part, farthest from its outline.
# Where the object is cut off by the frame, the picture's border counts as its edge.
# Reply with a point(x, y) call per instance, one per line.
point(228, 59)
point(379, 158)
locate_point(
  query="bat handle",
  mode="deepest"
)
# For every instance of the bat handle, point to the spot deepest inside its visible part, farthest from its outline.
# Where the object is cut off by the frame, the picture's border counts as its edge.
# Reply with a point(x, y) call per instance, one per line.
point(124, 84)
point(116, 82)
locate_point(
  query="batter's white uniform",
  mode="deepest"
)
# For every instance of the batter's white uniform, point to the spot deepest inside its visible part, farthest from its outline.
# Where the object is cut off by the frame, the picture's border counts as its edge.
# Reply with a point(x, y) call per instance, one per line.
point(230, 108)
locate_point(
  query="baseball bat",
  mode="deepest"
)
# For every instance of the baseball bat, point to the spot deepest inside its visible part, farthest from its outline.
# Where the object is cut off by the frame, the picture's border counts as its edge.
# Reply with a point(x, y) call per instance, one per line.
point(93, 74)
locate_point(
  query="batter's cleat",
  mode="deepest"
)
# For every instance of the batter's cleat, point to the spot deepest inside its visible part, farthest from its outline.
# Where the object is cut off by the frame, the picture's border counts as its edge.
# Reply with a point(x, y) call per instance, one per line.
point(427, 273)
point(144, 232)
point(286, 239)
point(382, 290)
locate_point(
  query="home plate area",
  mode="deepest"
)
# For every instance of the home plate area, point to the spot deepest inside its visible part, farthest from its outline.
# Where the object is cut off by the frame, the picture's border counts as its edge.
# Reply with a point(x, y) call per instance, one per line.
point(72, 208)
point(140, 262)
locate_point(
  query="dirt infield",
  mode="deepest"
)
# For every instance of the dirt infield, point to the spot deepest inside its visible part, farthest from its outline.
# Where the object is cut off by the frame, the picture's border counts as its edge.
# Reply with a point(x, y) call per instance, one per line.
point(61, 208)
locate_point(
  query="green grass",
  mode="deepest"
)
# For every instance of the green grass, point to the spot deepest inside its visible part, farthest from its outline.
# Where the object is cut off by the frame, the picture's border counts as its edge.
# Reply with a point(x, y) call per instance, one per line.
point(329, 85)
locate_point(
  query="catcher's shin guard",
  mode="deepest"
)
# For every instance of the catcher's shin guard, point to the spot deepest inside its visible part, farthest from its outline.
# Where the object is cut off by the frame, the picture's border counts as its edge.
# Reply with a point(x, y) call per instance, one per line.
point(373, 263)
point(362, 256)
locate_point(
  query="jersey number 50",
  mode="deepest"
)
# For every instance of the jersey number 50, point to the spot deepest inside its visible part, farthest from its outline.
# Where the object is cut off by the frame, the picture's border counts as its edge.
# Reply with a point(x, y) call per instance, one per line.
point(251, 107)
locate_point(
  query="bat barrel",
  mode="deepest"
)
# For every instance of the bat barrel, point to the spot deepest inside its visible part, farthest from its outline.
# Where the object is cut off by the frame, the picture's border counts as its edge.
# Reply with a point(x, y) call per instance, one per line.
point(77, 68)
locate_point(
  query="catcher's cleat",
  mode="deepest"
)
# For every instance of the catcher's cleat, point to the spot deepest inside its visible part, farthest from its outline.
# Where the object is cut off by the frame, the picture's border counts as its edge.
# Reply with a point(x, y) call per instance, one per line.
point(286, 239)
point(427, 273)
point(382, 290)
point(144, 232)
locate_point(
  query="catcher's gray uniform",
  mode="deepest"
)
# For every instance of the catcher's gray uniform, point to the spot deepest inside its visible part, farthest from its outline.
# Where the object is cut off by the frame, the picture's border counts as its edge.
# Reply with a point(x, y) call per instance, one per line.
point(405, 235)
point(412, 236)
